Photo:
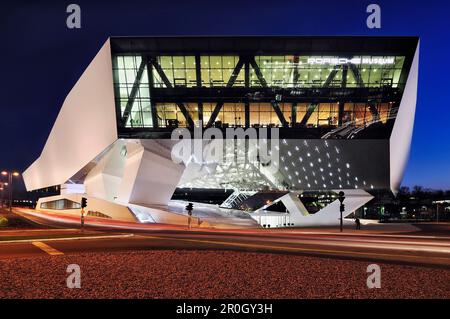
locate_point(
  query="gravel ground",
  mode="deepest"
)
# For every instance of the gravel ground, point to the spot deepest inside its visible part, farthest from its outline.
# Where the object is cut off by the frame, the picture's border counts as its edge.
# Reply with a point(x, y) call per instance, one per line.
point(214, 274)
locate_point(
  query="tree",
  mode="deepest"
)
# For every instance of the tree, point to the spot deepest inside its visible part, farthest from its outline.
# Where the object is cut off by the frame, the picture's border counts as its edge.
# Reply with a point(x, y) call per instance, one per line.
point(404, 191)
point(417, 191)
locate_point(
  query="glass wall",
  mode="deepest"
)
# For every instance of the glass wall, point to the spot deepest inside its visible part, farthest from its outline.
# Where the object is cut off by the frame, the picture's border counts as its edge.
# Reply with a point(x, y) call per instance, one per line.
point(321, 114)
point(170, 115)
point(132, 91)
point(285, 71)
point(179, 70)
point(384, 111)
point(208, 108)
point(216, 71)
point(361, 113)
point(327, 114)
point(60, 204)
point(263, 114)
point(232, 114)
point(278, 71)
point(307, 71)
point(125, 71)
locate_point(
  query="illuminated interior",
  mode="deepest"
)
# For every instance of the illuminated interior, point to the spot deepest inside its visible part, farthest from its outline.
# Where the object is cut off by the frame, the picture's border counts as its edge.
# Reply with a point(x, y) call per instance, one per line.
point(316, 92)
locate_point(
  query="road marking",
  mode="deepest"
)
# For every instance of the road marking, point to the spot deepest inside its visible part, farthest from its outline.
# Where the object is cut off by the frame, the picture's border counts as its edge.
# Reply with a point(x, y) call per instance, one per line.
point(39, 230)
point(317, 251)
point(73, 220)
point(364, 234)
point(63, 239)
point(49, 250)
point(430, 247)
point(420, 243)
point(436, 246)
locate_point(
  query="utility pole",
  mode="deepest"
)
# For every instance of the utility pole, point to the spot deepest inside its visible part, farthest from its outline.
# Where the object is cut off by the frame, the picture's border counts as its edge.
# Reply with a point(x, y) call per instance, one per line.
point(189, 208)
point(2, 189)
point(83, 205)
point(10, 181)
point(10, 191)
point(437, 212)
point(341, 198)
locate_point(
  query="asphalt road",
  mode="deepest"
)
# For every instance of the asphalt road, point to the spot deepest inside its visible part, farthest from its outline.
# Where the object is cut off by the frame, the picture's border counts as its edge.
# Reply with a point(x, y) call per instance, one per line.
point(431, 252)
point(394, 248)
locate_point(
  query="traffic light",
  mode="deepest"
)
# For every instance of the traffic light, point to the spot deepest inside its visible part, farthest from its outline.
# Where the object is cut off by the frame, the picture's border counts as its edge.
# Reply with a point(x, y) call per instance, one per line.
point(341, 196)
point(83, 202)
point(189, 208)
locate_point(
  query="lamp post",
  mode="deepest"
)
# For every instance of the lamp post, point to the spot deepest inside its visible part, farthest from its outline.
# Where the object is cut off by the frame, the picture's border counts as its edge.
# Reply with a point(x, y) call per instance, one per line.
point(437, 212)
point(341, 198)
point(10, 180)
point(2, 187)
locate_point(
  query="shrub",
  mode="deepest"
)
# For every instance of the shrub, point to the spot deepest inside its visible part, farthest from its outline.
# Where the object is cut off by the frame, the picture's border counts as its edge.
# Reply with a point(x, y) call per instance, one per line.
point(3, 221)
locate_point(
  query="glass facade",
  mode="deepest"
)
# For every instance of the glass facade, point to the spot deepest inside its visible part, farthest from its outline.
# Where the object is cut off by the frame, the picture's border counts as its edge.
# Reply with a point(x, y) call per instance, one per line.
point(141, 82)
point(170, 115)
point(305, 71)
point(60, 204)
point(262, 114)
point(327, 114)
point(216, 71)
point(132, 91)
point(179, 70)
point(232, 114)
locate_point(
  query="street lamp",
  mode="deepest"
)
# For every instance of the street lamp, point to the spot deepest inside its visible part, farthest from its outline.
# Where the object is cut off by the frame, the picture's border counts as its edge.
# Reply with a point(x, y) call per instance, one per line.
point(2, 187)
point(437, 212)
point(10, 181)
point(341, 198)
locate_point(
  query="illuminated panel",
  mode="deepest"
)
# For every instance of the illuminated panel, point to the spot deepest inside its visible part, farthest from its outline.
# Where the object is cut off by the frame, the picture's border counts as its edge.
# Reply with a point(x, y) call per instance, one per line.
point(306, 165)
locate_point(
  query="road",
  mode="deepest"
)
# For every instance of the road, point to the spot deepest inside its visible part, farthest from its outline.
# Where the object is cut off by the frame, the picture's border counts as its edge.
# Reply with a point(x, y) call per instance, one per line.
point(393, 248)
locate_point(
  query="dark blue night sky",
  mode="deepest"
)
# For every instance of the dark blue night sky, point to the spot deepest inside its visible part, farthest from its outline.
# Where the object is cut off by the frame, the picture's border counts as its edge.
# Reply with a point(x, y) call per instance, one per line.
point(41, 58)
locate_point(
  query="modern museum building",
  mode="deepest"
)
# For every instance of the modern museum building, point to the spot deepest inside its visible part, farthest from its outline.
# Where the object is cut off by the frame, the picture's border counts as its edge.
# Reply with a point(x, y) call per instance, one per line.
point(326, 114)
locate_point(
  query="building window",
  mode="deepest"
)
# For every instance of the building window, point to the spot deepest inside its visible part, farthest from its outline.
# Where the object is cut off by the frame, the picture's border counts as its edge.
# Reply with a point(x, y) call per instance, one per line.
point(179, 70)
point(263, 114)
point(216, 71)
point(133, 98)
point(169, 115)
point(277, 71)
point(328, 114)
point(232, 115)
point(207, 111)
point(314, 71)
point(60, 204)
point(132, 91)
